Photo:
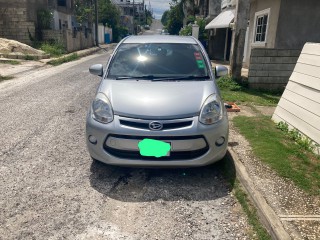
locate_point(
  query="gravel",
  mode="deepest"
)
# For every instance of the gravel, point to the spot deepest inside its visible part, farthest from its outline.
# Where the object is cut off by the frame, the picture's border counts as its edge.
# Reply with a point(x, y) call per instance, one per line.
point(51, 189)
point(281, 194)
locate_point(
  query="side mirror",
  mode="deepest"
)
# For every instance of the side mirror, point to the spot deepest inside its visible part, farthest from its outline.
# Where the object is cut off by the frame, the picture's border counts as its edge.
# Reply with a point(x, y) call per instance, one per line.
point(221, 71)
point(96, 69)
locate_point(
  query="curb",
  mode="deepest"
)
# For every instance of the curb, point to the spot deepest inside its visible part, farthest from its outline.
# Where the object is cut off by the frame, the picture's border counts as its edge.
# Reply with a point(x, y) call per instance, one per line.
point(21, 56)
point(268, 217)
point(80, 53)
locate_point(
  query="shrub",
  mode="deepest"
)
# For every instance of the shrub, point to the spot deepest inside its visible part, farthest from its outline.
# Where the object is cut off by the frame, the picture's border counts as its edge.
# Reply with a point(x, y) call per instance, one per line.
point(55, 49)
point(227, 83)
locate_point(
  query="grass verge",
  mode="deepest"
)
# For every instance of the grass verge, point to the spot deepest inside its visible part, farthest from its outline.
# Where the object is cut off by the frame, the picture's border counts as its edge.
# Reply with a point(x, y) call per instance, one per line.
point(12, 62)
point(251, 212)
point(30, 57)
point(68, 58)
point(54, 49)
point(280, 152)
point(232, 91)
point(4, 78)
point(258, 231)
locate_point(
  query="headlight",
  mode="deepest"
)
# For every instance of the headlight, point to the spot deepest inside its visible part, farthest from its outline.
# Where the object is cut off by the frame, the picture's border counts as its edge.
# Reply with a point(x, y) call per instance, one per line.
point(101, 109)
point(211, 111)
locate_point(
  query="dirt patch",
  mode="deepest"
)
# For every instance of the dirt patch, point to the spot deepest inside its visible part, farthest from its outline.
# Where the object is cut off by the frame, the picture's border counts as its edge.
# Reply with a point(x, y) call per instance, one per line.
point(8, 46)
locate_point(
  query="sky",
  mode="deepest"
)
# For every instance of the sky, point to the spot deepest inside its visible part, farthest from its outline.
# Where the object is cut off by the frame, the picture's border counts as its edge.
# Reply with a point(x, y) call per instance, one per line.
point(159, 6)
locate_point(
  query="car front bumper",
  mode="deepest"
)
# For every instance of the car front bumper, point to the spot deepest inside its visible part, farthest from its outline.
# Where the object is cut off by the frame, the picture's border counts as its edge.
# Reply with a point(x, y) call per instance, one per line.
point(191, 145)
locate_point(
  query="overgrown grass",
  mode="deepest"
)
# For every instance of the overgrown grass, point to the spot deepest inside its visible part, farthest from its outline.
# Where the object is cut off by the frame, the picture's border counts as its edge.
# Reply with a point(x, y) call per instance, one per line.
point(259, 232)
point(232, 91)
point(54, 49)
point(273, 146)
point(11, 62)
point(29, 57)
point(251, 212)
point(65, 59)
point(4, 78)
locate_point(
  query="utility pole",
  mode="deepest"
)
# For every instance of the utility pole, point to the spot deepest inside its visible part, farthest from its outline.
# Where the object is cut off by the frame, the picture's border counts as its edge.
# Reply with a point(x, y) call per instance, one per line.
point(144, 13)
point(133, 13)
point(96, 21)
point(238, 37)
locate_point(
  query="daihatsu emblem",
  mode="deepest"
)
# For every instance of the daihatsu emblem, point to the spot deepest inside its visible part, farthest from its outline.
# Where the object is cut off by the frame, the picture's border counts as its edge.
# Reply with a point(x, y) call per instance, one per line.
point(155, 126)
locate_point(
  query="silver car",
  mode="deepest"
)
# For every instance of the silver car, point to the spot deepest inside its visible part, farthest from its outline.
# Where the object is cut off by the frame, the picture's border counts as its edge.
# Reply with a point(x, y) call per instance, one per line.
point(157, 105)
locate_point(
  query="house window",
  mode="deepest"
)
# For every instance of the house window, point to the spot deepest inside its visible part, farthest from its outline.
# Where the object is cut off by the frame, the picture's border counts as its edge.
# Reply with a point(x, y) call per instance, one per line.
point(261, 26)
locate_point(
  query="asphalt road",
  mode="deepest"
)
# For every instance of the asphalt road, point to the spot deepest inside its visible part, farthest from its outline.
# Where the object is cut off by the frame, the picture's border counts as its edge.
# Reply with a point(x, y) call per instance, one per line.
point(155, 28)
point(51, 189)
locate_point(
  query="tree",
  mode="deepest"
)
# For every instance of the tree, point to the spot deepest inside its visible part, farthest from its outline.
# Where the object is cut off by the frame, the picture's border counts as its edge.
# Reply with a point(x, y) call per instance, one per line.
point(187, 30)
point(149, 17)
point(109, 15)
point(238, 39)
point(175, 18)
point(84, 11)
point(181, 13)
point(164, 18)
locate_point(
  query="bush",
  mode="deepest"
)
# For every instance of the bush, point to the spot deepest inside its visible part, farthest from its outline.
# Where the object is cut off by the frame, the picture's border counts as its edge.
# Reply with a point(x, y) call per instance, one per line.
point(69, 58)
point(227, 83)
point(54, 49)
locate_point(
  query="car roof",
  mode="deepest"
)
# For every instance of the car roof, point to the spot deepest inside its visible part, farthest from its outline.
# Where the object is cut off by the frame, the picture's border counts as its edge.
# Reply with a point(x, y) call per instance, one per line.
point(160, 39)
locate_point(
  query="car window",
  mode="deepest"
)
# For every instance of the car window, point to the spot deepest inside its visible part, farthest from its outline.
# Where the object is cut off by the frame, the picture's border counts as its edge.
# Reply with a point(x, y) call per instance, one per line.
point(158, 59)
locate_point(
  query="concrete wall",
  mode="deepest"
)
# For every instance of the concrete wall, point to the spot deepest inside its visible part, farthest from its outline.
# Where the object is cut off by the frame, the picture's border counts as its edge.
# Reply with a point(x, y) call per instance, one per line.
point(299, 23)
point(17, 17)
point(64, 18)
point(69, 39)
point(300, 103)
point(256, 6)
point(271, 68)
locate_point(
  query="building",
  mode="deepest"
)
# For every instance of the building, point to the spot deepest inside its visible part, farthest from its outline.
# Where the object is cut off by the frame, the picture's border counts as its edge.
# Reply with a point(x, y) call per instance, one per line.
point(220, 30)
point(130, 10)
point(278, 30)
point(19, 19)
point(52, 20)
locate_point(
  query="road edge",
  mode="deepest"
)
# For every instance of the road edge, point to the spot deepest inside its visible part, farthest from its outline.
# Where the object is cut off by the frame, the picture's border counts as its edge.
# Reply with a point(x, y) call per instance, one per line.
point(268, 217)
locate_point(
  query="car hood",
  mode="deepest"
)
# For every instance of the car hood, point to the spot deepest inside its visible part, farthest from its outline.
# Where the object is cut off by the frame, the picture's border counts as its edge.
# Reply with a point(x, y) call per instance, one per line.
point(157, 100)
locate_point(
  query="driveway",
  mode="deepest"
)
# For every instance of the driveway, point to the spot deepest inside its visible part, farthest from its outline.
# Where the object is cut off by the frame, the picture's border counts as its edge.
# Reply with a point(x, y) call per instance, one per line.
point(51, 189)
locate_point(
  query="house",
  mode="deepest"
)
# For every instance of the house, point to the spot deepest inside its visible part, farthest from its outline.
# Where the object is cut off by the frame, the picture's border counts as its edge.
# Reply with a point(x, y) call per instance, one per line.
point(300, 102)
point(220, 30)
point(278, 30)
point(18, 19)
point(130, 9)
point(30, 20)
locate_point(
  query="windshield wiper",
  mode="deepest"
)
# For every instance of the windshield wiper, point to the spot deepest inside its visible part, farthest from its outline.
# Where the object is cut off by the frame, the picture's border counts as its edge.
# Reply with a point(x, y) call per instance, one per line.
point(166, 78)
point(148, 77)
point(191, 77)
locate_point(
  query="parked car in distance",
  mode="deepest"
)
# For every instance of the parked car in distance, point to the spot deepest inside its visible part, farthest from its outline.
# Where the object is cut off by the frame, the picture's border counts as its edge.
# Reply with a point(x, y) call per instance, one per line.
point(147, 27)
point(157, 105)
point(164, 32)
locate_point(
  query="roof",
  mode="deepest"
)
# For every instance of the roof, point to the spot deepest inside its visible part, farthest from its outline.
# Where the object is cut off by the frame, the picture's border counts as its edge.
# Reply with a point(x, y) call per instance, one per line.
point(222, 20)
point(160, 39)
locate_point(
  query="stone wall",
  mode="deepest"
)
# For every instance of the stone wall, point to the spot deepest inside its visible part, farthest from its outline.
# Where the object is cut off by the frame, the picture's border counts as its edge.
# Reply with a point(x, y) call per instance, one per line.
point(14, 24)
point(271, 68)
point(18, 19)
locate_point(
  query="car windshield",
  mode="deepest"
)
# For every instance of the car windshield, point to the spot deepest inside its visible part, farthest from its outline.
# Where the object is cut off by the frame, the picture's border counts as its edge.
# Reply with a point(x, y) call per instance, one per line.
point(155, 61)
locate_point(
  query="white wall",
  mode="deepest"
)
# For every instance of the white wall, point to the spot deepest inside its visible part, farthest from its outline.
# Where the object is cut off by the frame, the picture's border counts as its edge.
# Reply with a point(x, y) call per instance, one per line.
point(101, 34)
point(63, 17)
point(299, 105)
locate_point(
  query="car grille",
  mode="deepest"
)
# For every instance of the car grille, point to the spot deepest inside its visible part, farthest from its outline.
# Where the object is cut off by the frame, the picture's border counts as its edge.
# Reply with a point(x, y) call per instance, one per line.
point(178, 155)
point(166, 125)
